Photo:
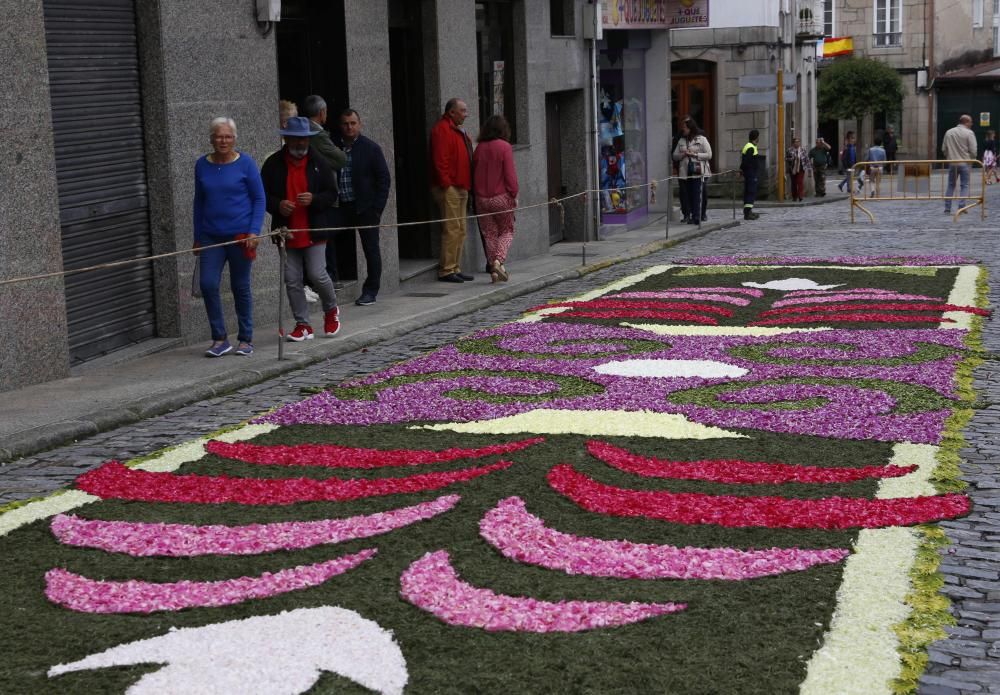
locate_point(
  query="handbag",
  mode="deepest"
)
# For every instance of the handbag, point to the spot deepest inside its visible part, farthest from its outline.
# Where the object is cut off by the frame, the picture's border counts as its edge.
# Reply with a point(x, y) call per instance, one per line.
point(694, 167)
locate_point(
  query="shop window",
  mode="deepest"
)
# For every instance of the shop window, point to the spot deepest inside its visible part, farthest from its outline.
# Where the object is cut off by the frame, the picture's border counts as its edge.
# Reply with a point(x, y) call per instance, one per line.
point(888, 23)
point(495, 57)
point(561, 17)
point(622, 104)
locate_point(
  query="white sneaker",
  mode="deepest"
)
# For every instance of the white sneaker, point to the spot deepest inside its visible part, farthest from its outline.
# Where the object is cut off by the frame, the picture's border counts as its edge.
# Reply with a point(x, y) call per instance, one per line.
point(311, 296)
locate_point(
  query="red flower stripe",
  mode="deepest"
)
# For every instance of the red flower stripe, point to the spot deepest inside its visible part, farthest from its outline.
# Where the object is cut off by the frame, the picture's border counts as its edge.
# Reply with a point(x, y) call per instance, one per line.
point(334, 456)
point(875, 306)
point(625, 314)
point(736, 471)
point(115, 481)
point(850, 318)
point(741, 512)
point(639, 304)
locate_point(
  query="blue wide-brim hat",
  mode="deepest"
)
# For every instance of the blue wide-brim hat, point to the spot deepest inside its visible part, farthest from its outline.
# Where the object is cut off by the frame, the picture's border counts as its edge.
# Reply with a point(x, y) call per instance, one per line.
point(298, 127)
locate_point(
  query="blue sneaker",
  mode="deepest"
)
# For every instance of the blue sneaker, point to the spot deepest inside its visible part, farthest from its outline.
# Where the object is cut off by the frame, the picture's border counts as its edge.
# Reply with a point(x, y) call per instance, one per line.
point(244, 349)
point(219, 349)
point(365, 299)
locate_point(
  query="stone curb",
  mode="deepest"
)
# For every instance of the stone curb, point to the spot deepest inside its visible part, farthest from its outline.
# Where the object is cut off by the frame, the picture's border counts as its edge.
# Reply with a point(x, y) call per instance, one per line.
point(56, 434)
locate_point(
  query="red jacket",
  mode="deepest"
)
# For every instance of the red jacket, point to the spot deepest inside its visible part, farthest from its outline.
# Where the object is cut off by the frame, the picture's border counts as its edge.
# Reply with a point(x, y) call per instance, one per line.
point(451, 156)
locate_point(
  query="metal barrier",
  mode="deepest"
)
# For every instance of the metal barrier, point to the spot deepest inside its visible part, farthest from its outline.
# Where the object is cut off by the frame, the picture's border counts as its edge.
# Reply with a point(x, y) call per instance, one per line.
point(916, 180)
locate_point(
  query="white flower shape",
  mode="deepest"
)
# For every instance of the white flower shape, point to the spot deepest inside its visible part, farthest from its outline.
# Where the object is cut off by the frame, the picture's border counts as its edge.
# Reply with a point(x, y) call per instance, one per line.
point(282, 654)
point(708, 369)
point(790, 284)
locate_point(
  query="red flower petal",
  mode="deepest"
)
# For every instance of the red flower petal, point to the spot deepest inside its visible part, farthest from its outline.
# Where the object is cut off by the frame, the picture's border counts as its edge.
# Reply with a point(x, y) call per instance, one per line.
point(639, 304)
point(334, 456)
point(739, 512)
point(879, 306)
point(736, 470)
point(838, 318)
point(113, 480)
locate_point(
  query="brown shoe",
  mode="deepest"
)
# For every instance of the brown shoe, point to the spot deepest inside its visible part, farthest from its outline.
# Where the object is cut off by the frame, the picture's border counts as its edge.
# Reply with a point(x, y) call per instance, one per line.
point(500, 271)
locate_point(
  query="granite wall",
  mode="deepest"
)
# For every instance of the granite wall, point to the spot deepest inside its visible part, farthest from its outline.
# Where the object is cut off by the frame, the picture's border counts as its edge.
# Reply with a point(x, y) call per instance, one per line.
point(33, 342)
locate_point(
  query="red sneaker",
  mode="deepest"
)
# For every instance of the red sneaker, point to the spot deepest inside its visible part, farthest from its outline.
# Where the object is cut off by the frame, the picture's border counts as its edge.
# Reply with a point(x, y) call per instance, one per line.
point(303, 331)
point(331, 322)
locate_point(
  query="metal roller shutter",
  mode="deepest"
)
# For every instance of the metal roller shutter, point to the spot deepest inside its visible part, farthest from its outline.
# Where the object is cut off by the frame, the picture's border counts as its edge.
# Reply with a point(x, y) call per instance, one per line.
point(101, 172)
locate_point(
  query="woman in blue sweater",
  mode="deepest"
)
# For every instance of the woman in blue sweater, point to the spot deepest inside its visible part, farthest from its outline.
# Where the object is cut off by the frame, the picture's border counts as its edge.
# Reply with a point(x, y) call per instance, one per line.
point(229, 204)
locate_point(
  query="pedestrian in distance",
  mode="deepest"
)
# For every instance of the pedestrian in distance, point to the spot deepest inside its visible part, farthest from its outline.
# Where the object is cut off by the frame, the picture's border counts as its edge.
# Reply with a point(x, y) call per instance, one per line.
point(364, 191)
point(959, 144)
point(876, 153)
point(750, 170)
point(494, 184)
point(848, 158)
point(315, 109)
point(451, 180)
point(890, 143)
point(693, 155)
point(682, 191)
point(819, 158)
point(228, 206)
point(798, 163)
point(990, 152)
point(301, 193)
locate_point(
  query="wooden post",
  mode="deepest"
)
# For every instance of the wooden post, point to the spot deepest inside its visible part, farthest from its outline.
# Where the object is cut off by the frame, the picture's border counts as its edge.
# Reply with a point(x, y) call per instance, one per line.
point(780, 154)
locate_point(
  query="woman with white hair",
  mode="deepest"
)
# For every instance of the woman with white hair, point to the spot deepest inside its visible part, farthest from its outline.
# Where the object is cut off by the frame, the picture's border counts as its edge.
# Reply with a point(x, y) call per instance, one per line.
point(229, 204)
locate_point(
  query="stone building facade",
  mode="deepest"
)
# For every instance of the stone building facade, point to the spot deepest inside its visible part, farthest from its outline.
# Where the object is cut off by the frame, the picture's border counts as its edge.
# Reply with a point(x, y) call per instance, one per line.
point(920, 39)
point(106, 108)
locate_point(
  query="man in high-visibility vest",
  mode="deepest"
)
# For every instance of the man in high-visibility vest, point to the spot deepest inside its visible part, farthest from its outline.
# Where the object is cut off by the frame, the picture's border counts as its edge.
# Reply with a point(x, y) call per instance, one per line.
point(749, 170)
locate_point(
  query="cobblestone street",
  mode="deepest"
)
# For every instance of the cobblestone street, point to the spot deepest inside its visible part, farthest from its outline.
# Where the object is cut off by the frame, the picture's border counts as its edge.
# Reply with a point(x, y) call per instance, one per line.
point(968, 662)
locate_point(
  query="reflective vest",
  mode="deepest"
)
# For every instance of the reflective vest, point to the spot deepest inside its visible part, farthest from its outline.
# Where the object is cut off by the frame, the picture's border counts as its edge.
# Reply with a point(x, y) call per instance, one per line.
point(748, 161)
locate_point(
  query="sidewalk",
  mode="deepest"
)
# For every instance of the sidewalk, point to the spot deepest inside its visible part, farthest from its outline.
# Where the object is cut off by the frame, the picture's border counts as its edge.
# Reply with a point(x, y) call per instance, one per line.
point(109, 393)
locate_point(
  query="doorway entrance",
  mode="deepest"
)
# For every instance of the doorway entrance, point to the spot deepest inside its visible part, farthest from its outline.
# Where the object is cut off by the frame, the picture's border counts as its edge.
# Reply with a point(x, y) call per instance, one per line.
point(312, 59)
point(409, 127)
point(553, 148)
point(692, 93)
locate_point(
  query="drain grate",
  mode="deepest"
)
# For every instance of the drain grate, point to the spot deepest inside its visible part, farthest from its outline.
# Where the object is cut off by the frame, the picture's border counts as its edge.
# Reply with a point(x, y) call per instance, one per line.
point(426, 294)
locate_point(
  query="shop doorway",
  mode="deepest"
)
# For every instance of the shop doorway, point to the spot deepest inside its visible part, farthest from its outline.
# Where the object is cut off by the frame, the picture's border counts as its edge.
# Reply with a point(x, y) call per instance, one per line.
point(312, 59)
point(409, 126)
point(692, 88)
point(553, 149)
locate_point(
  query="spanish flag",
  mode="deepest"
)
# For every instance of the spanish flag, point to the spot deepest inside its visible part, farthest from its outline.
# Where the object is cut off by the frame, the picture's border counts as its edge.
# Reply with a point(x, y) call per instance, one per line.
point(838, 46)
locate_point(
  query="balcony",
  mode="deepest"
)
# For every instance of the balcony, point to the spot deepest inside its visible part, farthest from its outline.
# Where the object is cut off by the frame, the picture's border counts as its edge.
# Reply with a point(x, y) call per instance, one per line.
point(808, 19)
point(887, 40)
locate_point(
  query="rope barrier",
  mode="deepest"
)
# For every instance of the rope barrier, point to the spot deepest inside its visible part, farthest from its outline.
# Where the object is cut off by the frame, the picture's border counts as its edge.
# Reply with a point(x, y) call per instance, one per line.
point(285, 232)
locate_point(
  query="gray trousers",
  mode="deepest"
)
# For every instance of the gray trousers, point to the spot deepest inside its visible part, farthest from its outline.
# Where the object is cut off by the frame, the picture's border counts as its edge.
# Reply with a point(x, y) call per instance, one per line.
point(309, 262)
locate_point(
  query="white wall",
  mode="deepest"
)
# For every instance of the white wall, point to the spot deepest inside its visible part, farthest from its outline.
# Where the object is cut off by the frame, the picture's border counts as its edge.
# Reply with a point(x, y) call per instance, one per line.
point(724, 14)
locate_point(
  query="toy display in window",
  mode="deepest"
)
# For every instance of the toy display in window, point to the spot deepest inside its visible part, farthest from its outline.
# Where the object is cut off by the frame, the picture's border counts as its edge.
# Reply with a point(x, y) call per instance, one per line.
point(612, 180)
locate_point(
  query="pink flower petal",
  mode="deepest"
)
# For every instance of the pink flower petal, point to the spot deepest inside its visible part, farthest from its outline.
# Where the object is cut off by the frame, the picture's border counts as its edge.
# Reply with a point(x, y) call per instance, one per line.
point(523, 537)
point(432, 584)
point(86, 595)
point(183, 540)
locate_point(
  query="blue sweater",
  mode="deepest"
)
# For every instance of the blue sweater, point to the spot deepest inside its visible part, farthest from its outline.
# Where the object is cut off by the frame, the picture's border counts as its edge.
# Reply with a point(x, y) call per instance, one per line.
point(228, 199)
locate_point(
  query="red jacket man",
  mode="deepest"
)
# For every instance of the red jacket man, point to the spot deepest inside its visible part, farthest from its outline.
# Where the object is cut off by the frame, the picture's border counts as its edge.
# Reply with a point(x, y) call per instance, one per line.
point(451, 179)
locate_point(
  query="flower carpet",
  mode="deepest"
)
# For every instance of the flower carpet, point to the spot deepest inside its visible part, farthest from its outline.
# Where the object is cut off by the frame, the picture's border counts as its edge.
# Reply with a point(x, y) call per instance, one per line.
point(720, 476)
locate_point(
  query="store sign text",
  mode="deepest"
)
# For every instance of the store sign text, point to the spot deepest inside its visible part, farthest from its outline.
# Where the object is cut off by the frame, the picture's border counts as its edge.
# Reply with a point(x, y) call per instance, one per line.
point(654, 14)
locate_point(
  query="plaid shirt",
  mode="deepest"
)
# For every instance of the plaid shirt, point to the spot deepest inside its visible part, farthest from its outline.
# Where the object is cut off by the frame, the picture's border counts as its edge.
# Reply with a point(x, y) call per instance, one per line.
point(346, 179)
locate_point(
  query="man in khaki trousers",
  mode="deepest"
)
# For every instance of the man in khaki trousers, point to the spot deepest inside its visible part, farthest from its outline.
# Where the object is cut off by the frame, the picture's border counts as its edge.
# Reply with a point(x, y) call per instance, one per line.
point(451, 180)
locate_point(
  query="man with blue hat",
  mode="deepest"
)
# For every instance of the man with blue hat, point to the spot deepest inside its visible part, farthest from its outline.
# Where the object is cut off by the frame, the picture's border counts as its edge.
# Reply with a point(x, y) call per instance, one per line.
point(301, 191)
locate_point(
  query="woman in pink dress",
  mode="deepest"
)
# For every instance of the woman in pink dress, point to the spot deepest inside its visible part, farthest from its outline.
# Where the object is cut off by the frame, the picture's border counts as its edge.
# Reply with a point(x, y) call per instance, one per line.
point(494, 184)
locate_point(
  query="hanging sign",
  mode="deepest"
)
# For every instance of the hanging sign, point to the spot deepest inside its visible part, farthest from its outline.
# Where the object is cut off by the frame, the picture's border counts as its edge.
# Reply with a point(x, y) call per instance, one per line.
point(654, 14)
point(498, 75)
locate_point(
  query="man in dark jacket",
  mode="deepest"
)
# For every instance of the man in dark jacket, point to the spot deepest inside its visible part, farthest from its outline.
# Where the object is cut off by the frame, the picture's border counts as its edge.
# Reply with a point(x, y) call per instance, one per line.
point(749, 168)
point(364, 190)
point(301, 191)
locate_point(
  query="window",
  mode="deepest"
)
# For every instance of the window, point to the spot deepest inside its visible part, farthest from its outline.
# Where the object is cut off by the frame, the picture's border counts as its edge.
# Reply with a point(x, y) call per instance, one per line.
point(828, 27)
point(561, 17)
point(888, 23)
point(996, 27)
point(495, 48)
point(977, 14)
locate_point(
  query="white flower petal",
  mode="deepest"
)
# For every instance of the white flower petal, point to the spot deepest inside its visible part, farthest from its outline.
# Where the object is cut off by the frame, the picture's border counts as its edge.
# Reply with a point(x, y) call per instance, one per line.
point(709, 369)
point(790, 284)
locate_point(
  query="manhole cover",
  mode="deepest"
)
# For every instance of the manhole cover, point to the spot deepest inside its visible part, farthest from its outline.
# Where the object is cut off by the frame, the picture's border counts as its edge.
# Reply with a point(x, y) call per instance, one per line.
point(426, 294)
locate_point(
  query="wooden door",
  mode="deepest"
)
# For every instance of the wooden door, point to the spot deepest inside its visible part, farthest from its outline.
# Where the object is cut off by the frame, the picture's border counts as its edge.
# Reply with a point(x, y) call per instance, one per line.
point(694, 96)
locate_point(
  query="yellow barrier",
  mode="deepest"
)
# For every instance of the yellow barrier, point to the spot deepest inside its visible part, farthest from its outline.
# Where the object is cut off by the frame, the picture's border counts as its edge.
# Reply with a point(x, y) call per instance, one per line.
point(915, 180)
